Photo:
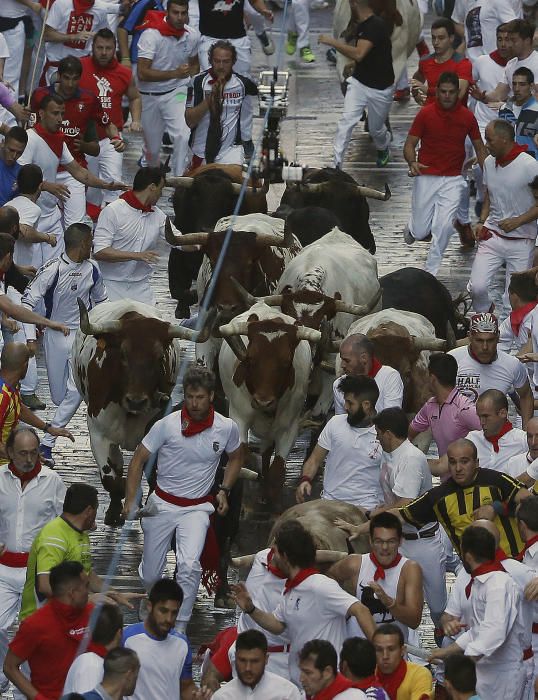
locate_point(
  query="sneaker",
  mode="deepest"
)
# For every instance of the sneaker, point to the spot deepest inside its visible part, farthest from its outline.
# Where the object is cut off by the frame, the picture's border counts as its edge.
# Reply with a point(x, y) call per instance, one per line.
point(466, 234)
point(33, 402)
point(45, 453)
point(331, 55)
point(382, 158)
point(306, 55)
point(268, 46)
point(408, 236)
point(291, 44)
point(402, 95)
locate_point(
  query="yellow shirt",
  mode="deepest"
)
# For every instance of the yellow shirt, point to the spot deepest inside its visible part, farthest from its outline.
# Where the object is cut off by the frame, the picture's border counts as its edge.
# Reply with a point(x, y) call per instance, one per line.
point(417, 684)
point(10, 411)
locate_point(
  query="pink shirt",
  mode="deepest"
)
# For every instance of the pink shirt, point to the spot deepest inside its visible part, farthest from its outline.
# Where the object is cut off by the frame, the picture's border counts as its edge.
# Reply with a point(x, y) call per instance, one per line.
point(452, 420)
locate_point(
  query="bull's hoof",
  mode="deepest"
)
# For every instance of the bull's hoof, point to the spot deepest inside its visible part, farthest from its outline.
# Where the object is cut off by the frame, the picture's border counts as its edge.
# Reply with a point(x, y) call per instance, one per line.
point(224, 600)
point(114, 518)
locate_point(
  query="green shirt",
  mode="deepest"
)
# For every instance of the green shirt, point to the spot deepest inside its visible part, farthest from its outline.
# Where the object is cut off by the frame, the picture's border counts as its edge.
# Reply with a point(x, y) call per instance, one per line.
point(58, 541)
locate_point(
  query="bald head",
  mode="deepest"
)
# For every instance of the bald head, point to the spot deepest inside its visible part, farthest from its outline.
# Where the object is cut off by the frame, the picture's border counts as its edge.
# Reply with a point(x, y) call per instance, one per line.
point(9, 220)
point(14, 358)
point(490, 527)
point(532, 438)
point(356, 352)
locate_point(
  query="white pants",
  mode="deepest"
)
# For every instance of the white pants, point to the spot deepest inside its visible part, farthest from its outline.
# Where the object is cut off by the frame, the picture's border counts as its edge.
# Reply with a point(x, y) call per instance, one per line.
point(190, 527)
point(162, 113)
point(430, 554)
point(11, 584)
point(137, 290)
point(490, 256)
point(16, 40)
point(500, 681)
point(299, 22)
point(434, 204)
point(358, 97)
point(74, 208)
point(26, 332)
point(107, 166)
point(234, 155)
point(63, 391)
point(241, 66)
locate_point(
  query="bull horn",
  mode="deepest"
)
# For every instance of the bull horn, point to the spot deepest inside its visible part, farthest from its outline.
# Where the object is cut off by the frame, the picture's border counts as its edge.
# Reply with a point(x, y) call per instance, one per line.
point(428, 343)
point(248, 298)
point(169, 235)
point(358, 309)
point(199, 238)
point(179, 181)
point(89, 328)
point(248, 474)
point(309, 334)
point(314, 186)
point(375, 194)
point(197, 336)
point(237, 187)
point(228, 330)
point(237, 346)
point(243, 562)
point(329, 556)
point(268, 239)
point(328, 367)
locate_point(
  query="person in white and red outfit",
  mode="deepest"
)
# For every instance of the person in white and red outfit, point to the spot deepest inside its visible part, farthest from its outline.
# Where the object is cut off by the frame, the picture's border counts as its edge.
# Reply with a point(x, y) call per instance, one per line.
point(46, 147)
point(357, 358)
point(188, 448)
point(517, 327)
point(312, 605)
point(320, 678)
point(506, 229)
point(30, 496)
point(70, 27)
point(527, 521)
point(110, 81)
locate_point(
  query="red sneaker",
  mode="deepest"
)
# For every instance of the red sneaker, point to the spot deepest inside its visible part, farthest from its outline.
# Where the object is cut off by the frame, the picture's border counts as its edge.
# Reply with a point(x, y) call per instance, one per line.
point(402, 95)
point(422, 48)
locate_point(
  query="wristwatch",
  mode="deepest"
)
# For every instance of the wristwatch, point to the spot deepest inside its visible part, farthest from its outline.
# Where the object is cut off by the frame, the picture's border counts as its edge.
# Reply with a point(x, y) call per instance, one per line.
point(225, 489)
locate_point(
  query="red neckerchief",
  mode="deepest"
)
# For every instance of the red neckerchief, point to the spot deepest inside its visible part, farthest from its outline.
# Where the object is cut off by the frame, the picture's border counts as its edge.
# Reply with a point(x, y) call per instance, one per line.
point(528, 545)
point(25, 476)
point(299, 578)
point(214, 77)
point(98, 649)
point(516, 317)
point(82, 6)
point(156, 19)
point(54, 141)
point(500, 555)
point(271, 567)
point(471, 354)
point(133, 201)
point(365, 683)
point(190, 427)
point(485, 568)
point(380, 569)
point(499, 60)
point(494, 439)
point(74, 621)
point(376, 366)
point(392, 681)
point(516, 150)
point(339, 685)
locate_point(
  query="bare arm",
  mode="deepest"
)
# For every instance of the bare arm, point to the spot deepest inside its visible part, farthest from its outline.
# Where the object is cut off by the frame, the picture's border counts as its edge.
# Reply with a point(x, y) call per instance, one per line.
point(410, 156)
point(151, 75)
point(480, 150)
point(21, 313)
point(364, 618)
point(57, 37)
point(13, 673)
point(188, 689)
point(43, 585)
point(409, 601)
point(89, 179)
point(113, 255)
point(355, 53)
point(526, 402)
point(135, 103)
point(30, 235)
point(266, 620)
point(134, 476)
point(194, 65)
point(310, 469)
point(231, 473)
point(261, 7)
point(211, 678)
point(123, 45)
point(193, 115)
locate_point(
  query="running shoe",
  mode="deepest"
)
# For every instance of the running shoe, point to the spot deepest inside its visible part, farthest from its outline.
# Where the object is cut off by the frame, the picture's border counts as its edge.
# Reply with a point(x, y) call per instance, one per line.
point(291, 44)
point(306, 55)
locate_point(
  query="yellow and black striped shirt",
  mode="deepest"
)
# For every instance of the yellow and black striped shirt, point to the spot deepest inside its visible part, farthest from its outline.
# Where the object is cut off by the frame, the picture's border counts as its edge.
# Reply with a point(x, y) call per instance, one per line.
point(453, 505)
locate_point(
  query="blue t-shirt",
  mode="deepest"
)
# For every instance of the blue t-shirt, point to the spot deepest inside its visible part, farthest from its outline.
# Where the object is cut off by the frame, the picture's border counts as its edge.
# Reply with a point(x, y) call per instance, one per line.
point(134, 19)
point(8, 178)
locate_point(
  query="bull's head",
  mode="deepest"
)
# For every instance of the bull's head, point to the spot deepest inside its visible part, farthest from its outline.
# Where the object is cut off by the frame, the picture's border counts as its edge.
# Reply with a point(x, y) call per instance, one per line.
point(266, 366)
point(138, 353)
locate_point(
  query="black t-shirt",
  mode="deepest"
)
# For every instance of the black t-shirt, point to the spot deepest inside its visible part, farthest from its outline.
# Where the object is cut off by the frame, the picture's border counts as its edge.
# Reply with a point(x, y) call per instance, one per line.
point(375, 70)
point(222, 19)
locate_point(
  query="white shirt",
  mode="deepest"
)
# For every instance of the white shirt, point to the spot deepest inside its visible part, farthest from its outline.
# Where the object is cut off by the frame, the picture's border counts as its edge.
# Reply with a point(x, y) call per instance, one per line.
point(390, 387)
point(187, 465)
point(270, 687)
point(505, 373)
point(167, 53)
point(353, 464)
point(122, 227)
point(518, 465)
point(530, 559)
point(530, 62)
point(4, 48)
point(29, 213)
point(39, 153)
point(164, 663)
point(512, 443)
point(84, 674)
point(24, 513)
point(62, 18)
point(405, 474)
point(488, 75)
point(507, 339)
point(12, 8)
point(58, 284)
point(480, 19)
point(315, 609)
point(496, 626)
point(510, 193)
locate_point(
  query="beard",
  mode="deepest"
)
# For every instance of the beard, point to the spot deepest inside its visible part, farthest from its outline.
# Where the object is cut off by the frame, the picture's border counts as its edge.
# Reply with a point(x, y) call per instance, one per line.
point(356, 419)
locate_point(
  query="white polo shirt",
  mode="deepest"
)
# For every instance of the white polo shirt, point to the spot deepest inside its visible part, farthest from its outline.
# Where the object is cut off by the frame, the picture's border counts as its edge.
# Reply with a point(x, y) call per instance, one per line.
point(519, 464)
point(164, 663)
point(62, 17)
point(531, 62)
point(352, 467)
point(390, 387)
point(186, 466)
point(405, 474)
point(480, 19)
point(505, 373)
point(167, 53)
point(270, 687)
point(24, 513)
point(122, 227)
point(29, 214)
point(84, 674)
point(315, 609)
point(39, 153)
point(512, 443)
